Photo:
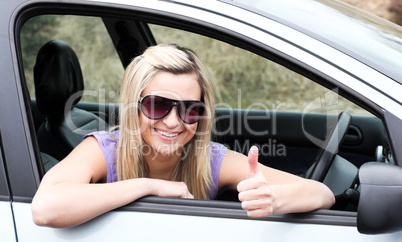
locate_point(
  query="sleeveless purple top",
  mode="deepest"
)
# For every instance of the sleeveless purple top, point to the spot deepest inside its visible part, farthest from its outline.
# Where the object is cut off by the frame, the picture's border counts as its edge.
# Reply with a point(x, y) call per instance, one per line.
point(108, 145)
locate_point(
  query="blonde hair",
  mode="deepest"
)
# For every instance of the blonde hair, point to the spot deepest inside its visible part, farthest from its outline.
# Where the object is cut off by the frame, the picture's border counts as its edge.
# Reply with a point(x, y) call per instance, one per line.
point(193, 169)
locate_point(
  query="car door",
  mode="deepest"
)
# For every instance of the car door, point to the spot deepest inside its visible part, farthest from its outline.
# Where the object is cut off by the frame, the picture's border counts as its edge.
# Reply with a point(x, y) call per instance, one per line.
point(168, 219)
point(7, 229)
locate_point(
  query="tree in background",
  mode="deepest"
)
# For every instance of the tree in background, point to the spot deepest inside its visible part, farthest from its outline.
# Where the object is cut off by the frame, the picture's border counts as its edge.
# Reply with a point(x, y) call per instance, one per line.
point(34, 34)
point(396, 9)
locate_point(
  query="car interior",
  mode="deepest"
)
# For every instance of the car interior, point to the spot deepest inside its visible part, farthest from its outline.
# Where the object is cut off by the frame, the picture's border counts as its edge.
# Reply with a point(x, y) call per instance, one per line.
point(56, 60)
point(325, 145)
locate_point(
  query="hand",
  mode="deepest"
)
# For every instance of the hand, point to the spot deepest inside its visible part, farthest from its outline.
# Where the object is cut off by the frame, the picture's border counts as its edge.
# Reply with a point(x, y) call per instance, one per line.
point(171, 189)
point(254, 193)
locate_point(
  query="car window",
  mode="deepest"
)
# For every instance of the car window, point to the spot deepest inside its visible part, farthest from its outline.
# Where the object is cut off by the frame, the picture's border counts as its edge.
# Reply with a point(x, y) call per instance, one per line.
point(247, 81)
point(265, 85)
point(101, 67)
point(242, 80)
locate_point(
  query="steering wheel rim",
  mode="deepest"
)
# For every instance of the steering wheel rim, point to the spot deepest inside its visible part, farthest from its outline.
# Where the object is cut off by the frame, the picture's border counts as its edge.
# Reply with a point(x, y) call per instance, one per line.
point(327, 154)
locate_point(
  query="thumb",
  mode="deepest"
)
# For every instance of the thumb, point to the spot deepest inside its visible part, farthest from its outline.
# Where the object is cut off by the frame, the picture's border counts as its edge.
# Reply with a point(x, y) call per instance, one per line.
point(253, 161)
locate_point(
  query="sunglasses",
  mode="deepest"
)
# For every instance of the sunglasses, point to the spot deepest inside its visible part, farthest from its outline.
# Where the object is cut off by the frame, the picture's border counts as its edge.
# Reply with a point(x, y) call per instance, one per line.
point(157, 107)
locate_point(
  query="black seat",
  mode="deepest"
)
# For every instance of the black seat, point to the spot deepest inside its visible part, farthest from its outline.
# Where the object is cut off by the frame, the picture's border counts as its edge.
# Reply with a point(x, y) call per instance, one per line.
point(59, 87)
point(48, 161)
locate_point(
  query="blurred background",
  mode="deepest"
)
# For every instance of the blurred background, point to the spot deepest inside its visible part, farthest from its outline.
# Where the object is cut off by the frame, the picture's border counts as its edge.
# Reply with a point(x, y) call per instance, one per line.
point(265, 82)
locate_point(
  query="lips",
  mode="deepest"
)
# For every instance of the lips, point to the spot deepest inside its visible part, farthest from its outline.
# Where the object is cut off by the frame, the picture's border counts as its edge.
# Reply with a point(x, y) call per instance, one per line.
point(167, 134)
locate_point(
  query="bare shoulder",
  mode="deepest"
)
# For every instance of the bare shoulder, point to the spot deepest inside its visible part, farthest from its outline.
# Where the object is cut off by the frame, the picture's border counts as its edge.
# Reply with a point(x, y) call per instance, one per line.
point(85, 163)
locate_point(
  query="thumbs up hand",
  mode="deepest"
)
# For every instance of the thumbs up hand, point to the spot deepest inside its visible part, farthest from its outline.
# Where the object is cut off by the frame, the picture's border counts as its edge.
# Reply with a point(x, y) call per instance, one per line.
point(253, 162)
point(254, 193)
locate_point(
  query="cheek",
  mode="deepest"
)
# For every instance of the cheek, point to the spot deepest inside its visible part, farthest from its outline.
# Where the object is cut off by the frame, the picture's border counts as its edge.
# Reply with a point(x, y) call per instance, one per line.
point(145, 123)
point(192, 128)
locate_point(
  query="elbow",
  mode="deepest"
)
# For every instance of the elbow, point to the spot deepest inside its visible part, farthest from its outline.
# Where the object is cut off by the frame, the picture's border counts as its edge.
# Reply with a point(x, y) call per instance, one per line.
point(328, 198)
point(331, 201)
point(39, 215)
point(321, 196)
point(42, 216)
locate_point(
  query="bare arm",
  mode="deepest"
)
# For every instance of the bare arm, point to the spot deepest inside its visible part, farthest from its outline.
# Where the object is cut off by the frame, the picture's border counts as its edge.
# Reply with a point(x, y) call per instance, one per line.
point(65, 197)
point(264, 191)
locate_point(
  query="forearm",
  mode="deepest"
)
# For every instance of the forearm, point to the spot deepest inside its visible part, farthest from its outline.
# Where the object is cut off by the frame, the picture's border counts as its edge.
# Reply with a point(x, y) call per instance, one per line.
point(301, 196)
point(69, 204)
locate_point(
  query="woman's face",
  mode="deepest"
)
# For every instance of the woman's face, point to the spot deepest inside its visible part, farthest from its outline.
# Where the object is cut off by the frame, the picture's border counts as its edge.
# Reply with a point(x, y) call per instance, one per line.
point(168, 135)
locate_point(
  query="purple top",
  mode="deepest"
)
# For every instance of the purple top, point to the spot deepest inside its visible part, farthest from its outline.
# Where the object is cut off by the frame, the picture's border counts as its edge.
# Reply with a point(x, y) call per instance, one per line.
point(108, 144)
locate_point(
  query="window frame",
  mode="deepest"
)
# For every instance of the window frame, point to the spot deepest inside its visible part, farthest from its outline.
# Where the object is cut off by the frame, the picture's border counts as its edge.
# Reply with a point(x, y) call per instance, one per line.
point(158, 204)
point(4, 187)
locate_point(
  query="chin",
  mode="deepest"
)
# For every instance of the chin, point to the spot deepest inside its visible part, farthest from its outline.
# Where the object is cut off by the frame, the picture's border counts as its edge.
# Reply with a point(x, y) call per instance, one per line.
point(174, 148)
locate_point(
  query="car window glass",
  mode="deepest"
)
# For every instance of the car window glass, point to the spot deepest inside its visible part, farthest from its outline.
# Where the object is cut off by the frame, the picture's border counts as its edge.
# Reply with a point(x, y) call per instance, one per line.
point(242, 80)
point(101, 67)
point(245, 80)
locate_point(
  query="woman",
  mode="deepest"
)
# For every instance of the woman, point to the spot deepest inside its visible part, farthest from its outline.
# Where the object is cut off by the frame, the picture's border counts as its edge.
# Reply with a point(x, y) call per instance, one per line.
point(162, 147)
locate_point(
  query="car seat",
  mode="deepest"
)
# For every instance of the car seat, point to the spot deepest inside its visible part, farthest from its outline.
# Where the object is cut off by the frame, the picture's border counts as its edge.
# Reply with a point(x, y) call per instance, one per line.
point(58, 88)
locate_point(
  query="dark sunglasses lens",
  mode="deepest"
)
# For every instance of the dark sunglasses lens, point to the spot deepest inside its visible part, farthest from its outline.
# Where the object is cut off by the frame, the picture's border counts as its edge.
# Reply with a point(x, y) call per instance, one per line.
point(155, 107)
point(190, 112)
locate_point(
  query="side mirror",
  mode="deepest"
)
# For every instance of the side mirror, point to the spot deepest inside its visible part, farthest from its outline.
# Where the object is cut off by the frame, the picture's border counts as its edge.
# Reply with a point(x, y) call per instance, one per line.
point(380, 204)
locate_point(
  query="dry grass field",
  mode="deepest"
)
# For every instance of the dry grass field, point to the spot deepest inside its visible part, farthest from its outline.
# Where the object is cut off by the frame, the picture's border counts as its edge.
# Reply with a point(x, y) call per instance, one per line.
point(266, 83)
point(388, 9)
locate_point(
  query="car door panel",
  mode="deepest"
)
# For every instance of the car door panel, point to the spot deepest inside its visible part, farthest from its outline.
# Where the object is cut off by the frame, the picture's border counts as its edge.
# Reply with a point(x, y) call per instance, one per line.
point(127, 224)
point(7, 232)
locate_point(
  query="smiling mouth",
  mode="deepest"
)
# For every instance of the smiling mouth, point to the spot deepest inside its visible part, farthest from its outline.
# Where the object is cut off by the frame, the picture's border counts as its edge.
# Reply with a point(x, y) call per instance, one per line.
point(170, 135)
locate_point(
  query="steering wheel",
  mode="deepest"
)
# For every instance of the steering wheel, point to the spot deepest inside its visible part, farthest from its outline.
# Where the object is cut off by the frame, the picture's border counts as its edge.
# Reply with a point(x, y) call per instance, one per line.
point(328, 152)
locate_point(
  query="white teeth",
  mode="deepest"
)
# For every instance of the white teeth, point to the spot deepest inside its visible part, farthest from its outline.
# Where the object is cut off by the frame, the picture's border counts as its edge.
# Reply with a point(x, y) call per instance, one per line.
point(167, 134)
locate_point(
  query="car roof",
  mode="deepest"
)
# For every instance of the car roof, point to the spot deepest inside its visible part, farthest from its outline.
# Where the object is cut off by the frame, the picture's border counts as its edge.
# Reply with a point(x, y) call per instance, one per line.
point(363, 36)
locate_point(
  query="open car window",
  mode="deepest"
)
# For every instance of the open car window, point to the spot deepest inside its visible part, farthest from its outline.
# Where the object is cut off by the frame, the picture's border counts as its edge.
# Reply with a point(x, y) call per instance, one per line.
point(244, 80)
point(101, 67)
point(258, 101)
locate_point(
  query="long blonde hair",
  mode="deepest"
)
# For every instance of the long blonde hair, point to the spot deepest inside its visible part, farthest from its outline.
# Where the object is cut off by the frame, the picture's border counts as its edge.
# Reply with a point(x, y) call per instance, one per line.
point(194, 169)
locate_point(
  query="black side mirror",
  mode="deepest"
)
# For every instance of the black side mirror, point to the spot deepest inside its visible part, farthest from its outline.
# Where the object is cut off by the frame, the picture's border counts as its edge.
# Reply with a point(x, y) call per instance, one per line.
point(380, 204)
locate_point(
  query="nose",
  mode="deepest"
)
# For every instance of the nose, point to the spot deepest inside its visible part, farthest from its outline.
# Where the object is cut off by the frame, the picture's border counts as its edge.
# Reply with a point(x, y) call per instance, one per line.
point(172, 120)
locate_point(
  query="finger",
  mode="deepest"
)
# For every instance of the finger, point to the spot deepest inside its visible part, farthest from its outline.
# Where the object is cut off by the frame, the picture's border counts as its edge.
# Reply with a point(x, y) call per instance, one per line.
point(187, 194)
point(259, 213)
point(184, 195)
point(263, 204)
point(250, 183)
point(247, 195)
point(263, 192)
point(253, 161)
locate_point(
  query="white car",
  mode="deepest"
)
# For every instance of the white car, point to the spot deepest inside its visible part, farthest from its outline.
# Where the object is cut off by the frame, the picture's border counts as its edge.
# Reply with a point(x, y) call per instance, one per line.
point(316, 84)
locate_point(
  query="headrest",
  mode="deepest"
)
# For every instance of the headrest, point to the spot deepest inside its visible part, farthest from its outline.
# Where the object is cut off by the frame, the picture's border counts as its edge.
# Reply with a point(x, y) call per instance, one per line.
point(57, 76)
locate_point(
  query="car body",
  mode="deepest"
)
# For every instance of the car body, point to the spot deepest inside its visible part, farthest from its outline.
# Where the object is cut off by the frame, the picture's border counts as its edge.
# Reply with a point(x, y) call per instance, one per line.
point(349, 52)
